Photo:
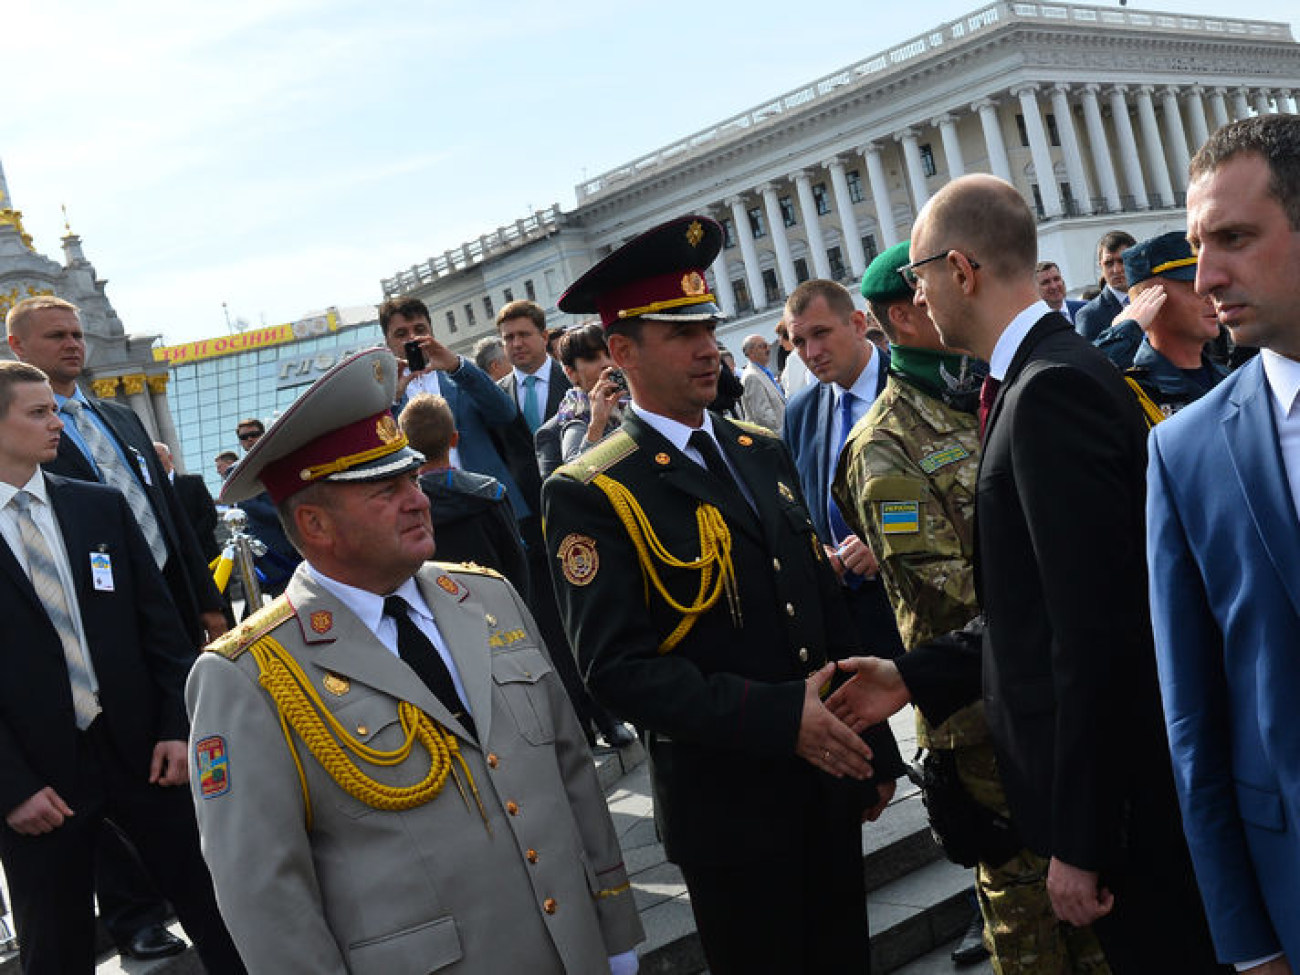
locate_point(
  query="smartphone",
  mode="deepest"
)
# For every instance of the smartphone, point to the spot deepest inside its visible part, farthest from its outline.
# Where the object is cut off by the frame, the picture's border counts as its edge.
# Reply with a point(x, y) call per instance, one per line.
point(618, 379)
point(414, 356)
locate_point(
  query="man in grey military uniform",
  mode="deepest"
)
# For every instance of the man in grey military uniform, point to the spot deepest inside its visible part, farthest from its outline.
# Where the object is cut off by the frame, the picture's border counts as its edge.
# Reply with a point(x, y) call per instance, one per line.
point(388, 774)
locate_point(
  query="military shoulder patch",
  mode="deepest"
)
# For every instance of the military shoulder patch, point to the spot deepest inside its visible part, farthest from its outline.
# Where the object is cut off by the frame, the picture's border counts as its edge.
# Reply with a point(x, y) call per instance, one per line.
point(578, 559)
point(900, 517)
point(600, 458)
point(942, 458)
point(762, 431)
point(213, 764)
point(234, 642)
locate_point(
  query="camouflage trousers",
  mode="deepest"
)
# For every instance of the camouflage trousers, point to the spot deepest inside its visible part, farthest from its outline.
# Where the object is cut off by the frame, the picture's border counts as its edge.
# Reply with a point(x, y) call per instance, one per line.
point(1022, 934)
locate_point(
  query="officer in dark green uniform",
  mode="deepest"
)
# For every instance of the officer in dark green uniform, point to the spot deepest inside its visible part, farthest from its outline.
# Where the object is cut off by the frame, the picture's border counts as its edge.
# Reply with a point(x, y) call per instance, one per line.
point(702, 608)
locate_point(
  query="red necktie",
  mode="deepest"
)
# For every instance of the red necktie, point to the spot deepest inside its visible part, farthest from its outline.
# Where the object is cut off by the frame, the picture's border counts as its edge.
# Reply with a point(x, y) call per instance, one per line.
point(988, 393)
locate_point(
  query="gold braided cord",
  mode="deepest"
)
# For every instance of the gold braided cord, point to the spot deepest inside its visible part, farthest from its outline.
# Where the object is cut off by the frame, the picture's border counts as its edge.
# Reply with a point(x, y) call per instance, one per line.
point(1150, 411)
point(302, 709)
point(717, 572)
point(352, 460)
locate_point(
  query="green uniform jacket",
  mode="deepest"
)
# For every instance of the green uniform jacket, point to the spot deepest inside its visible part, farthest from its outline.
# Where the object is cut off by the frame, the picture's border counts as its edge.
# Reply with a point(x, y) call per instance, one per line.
point(906, 483)
point(724, 706)
point(429, 889)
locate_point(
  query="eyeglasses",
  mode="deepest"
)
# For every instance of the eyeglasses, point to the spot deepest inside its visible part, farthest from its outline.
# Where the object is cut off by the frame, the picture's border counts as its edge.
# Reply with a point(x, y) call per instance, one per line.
point(908, 271)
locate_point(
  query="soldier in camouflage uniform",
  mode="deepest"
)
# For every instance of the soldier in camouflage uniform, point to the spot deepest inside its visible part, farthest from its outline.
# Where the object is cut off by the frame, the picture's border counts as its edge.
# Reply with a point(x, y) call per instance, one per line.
point(906, 483)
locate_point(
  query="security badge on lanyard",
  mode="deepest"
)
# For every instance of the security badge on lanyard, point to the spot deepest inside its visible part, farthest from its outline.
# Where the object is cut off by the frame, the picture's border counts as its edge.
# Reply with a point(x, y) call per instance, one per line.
point(101, 571)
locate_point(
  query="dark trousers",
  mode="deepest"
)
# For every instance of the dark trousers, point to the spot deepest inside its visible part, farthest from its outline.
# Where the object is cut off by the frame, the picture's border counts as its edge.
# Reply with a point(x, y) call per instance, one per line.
point(128, 900)
point(542, 604)
point(51, 877)
point(797, 912)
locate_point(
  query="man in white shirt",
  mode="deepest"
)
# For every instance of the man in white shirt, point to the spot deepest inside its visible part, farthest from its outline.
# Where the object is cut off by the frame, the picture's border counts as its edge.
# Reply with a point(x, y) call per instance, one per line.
point(1224, 544)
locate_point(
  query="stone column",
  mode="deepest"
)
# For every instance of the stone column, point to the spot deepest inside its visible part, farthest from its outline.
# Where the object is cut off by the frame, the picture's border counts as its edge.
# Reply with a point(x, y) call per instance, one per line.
point(748, 255)
point(1240, 106)
point(1155, 153)
point(1263, 103)
point(1040, 150)
point(812, 223)
point(848, 222)
point(776, 224)
point(880, 194)
point(915, 174)
point(1218, 107)
point(1100, 147)
point(947, 126)
point(1175, 137)
point(1128, 147)
point(105, 388)
point(133, 386)
point(1196, 121)
point(1070, 147)
point(722, 284)
point(992, 126)
point(1285, 101)
point(157, 384)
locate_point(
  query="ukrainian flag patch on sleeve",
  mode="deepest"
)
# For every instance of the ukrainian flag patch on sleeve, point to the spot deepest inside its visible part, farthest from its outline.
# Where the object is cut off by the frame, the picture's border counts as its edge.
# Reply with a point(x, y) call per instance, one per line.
point(900, 517)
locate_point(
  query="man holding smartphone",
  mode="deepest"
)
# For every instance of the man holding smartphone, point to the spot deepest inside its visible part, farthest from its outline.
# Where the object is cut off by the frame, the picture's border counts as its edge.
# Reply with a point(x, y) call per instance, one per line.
point(475, 400)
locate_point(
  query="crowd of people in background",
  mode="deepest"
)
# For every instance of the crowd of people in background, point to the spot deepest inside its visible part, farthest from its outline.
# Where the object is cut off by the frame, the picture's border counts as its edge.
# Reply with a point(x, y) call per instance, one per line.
point(1065, 529)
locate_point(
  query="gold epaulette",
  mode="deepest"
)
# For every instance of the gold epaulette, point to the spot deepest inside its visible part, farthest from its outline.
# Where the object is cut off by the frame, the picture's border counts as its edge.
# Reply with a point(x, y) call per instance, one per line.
point(471, 568)
point(754, 428)
point(234, 642)
point(600, 458)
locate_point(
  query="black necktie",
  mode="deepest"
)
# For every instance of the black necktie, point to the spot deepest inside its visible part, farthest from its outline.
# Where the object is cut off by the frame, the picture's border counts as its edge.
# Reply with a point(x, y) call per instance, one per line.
point(988, 393)
point(713, 459)
point(422, 657)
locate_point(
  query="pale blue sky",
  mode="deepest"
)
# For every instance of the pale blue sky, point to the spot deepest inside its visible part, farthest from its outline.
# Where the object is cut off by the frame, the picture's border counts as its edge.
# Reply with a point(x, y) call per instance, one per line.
point(284, 155)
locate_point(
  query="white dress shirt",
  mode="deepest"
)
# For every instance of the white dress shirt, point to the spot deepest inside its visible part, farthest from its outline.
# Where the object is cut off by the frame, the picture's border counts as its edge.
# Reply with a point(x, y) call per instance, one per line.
point(679, 434)
point(1012, 337)
point(369, 608)
point(541, 390)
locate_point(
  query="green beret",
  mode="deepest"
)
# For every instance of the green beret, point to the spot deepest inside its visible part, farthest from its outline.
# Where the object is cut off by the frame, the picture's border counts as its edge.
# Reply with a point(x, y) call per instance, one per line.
point(882, 282)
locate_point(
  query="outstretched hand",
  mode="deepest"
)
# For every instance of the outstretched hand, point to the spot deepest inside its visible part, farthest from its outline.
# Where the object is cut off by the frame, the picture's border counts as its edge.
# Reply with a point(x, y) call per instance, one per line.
point(872, 694)
point(824, 740)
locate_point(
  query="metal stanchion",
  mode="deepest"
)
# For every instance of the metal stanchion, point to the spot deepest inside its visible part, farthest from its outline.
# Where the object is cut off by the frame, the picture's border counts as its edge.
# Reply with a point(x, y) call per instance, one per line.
point(246, 550)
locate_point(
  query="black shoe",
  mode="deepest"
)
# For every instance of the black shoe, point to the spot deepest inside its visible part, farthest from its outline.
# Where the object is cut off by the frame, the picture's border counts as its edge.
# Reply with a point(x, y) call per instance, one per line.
point(618, 735)
point(154, 941)
point(971, 950)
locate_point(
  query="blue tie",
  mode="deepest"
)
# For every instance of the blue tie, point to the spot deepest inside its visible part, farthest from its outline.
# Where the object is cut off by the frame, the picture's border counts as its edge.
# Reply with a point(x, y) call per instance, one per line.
point(844, 419)
point(532, 415)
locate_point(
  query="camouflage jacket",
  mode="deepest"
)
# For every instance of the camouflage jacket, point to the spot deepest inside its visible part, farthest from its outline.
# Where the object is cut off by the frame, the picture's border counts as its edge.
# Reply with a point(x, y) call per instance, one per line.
point(906, 484)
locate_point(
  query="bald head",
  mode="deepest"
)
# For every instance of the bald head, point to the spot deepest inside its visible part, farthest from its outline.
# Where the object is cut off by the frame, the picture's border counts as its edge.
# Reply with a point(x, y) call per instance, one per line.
point(987, 219)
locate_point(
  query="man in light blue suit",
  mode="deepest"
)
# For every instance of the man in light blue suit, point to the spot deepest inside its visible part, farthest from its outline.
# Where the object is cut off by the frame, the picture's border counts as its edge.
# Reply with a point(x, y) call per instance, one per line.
point(476, 401)
point(1224, 544)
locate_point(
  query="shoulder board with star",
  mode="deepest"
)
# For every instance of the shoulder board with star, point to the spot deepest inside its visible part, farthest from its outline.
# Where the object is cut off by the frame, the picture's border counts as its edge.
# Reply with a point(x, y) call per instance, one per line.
point(754, 428)
point(234, 642)
point(600, 458)
point(469, 568)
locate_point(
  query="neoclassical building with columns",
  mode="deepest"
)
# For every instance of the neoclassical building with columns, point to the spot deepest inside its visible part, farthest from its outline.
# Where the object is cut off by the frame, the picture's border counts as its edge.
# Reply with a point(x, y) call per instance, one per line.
point(1091, 112)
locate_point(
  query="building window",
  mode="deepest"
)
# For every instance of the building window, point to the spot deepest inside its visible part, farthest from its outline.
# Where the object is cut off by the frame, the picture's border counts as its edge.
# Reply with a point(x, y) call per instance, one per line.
point(837, 263)
point(507, 295)
point(451, 321)
point(740, 289)
point(821, 199)
point(927, 160)
point(1038, 201)
point(854, 179)
point(529, 290)
point(771, 289)
point(728, 233)
point(487, 307)
point(869, 248)
point(1053, 136)
point(469, 314)
point(800, 270)
point(787, 211)
point(756, 225)
point(1024, 132)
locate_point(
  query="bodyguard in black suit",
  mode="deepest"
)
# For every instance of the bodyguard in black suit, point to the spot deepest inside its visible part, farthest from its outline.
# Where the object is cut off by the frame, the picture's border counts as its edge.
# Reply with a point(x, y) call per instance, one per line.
point(196, 501)
point(92, 719)
point(1096, 316)
point(1068, 669)
point(704, 610)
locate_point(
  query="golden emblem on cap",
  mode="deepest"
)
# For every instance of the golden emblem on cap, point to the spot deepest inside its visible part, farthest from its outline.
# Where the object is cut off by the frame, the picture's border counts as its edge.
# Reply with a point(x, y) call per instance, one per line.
point(489, 619)
point(694, 234)
point(387, 429)
point(663, 459)
point(379, 372)
point(578, 559)
point(783, 489)
point(336, 685)
point(693, 284)
point(745, 440)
